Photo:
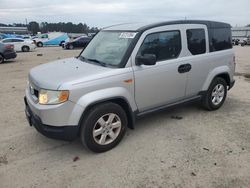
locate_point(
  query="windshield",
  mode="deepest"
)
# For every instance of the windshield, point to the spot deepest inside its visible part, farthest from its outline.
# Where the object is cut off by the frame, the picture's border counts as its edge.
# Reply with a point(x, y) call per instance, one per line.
point(108, 47)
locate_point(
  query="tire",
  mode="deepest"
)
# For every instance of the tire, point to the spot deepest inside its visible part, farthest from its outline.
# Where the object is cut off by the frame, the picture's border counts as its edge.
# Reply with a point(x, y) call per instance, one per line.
point(1, 59)
point(215, 95)
point(25, 49)
point(61, 43)
point(97, 119)
point(71, 47)
point(39, 44)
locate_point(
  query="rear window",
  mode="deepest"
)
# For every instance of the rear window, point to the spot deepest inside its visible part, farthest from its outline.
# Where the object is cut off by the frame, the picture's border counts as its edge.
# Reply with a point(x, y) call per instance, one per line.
point(196, 41)
point(221, 39)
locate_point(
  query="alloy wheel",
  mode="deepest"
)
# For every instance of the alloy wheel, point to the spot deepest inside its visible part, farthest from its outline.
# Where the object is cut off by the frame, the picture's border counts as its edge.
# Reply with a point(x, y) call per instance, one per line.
point(218, 94)
point(107, 128)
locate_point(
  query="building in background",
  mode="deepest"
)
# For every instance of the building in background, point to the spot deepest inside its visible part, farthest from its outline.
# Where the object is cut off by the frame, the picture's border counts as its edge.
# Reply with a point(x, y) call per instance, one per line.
point(14, 30)
point(240, 32)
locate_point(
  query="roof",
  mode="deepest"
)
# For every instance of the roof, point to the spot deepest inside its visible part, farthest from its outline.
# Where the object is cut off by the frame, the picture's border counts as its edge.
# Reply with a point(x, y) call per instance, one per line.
point(146, 26)
point(14, 38)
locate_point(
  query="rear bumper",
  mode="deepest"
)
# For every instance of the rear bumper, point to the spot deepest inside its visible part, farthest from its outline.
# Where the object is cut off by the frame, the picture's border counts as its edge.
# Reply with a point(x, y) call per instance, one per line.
point(63, 132)
point(9, 55)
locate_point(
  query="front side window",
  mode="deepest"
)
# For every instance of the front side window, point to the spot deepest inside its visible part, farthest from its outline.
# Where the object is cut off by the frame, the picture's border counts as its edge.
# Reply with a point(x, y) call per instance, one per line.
point(164, 45)
point(108, 47)
point(17, 40)
point(196, 41)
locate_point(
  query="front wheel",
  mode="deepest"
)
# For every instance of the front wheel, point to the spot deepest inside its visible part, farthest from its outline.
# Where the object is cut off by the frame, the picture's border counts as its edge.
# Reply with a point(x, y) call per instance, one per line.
point(103, 127)
point(215, 95)
point(39, 44)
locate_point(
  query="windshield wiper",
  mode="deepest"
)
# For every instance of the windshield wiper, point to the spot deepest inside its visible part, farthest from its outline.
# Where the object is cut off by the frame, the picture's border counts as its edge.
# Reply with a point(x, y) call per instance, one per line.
point(81, 58)
point(84, 59)
point(97, 61)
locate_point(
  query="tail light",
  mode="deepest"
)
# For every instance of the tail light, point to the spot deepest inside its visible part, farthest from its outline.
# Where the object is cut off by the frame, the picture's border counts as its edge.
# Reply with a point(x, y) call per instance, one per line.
point(9, 46)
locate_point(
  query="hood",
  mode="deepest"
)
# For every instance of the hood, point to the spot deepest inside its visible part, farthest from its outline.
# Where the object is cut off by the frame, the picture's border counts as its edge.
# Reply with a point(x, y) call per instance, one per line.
point(53, 75)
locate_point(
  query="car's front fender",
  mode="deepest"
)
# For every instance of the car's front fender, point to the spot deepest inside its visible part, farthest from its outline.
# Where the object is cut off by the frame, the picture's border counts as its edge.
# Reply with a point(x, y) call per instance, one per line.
point(100, 96)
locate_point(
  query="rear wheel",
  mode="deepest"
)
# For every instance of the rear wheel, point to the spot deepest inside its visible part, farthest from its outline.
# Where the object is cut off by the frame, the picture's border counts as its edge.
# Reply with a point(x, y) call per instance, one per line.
point(216, 94)
point(103, 127)
point(1, 58)
point(25, 49)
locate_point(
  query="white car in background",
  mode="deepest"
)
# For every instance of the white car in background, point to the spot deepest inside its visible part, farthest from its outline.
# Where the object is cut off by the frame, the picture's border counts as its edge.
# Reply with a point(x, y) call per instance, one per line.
point(20, 45)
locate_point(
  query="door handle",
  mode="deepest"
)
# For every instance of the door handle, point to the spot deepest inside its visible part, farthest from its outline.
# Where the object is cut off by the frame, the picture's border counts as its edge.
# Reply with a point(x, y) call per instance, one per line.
point(184, 68)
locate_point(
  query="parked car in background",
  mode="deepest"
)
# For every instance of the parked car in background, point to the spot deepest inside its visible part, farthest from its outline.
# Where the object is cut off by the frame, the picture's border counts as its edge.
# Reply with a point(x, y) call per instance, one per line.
point(6, 52)
point(50, 39)
point(26, 37)
point(71, 37)
point(80, 42)
point(246, 41)
point(235, 42)
point(21, 44)
point(126, 72)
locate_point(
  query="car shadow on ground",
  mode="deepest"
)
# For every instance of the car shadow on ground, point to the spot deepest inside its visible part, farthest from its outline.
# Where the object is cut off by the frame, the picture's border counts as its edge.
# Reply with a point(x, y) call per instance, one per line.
point(9, 61)
point(150, 122)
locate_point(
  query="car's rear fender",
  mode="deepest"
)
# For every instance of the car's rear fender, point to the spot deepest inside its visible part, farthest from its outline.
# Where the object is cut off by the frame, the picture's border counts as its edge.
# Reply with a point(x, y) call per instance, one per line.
point(222, 70)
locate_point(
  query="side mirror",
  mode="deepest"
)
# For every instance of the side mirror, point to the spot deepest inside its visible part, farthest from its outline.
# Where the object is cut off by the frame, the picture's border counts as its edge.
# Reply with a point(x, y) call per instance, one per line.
point(146, 59)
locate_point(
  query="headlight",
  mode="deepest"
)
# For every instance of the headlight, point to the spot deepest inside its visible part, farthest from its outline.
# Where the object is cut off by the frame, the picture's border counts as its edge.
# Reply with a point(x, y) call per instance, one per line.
point(52, 97)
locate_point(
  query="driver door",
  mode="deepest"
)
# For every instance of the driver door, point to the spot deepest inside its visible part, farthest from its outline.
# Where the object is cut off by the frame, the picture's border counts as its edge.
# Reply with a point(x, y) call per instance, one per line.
point(162, 83)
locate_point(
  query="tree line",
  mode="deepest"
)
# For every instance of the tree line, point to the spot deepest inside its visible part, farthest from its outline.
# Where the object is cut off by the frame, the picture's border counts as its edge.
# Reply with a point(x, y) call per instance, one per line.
point(45, 27)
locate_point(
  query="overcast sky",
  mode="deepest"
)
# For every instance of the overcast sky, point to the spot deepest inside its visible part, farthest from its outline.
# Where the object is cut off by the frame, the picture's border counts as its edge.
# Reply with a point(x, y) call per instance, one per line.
point(102, 13)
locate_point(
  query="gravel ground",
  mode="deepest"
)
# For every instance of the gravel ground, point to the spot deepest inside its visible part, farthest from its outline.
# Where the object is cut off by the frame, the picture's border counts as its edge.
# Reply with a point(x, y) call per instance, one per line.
point(201, 149)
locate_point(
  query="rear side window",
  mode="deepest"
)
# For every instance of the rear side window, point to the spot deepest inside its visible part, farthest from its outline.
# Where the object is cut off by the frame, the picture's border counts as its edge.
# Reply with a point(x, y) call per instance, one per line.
point(196, 41)
point(164, 45)
point(6, 40)
point(221, 39)
point(17, 40)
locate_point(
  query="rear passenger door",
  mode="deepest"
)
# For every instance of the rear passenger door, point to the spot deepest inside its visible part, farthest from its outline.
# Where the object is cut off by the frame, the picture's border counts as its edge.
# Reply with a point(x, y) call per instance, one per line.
point(159, 84)
point(196, 38)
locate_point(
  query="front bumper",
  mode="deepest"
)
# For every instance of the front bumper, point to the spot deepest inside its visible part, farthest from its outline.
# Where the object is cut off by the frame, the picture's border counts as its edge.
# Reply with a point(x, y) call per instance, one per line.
point(57, 132)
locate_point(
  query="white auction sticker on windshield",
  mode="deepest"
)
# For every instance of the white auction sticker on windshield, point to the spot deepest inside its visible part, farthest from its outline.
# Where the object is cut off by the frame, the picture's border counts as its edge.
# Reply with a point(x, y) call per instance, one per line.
point(127, 35)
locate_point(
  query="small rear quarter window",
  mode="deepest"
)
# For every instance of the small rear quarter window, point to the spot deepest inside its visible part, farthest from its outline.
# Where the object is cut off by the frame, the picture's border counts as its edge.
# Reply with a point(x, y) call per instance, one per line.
point(196, 41)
